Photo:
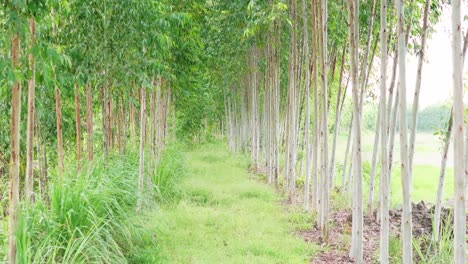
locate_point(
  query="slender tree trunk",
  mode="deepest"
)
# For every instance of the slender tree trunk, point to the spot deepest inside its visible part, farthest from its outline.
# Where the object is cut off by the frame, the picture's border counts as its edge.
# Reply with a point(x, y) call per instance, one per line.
point(78, 127)
point(370, 198)
point(337, 118)
point(353, 7)
point(458, 123)
point(152, 135)
point(316, 132)
point(105, 138)
point(132, 120)
point(384, 177)
point(292, 105)
point(60, 151)
point(89, 122)
point(109, 117)
point(307, 114)
point(422, 52)
point(29, 183)
point(42, 157)
point(141, 173)
point(406, 222)
point(15, 126)
point(118, 123)
point(344, 183)
point(465, 47)
point(324, 132)
point(393, 126)
point(440, 189)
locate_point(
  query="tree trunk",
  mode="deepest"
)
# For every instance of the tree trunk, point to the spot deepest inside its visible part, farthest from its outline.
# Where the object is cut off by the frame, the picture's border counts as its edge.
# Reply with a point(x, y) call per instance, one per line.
point(109, 117)
point(141, 172)
point(344, 183)
point(15, 126)
point(440, 189)
point(406, 222)
point(78, 127)
point(42, 157)
point(89, 122)
point(422, 52)
point(105, 142)
point(357, 240)
point(152, 135)
point(384, 177)
point(458, 123)
point(370, 198)
point(337, 118)
point(324, 132)
point(29, 182)
point(307, 114)
point(316, 132)
point(60, 151)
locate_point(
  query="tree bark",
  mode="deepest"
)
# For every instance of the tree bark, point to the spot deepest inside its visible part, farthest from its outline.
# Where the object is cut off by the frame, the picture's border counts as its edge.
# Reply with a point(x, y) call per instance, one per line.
point(316, 132)
point(29, 182)
point(324, 166)
point(384, 177)
point(89, 122)
point(105, 138)
point(15, 124)
point(440, 189)
point(60, 151)
point(307, 113)
point(406, 181)
point(78, 127)
point(345, 164)
point(357, 239)
point(458, 124)
point(370, 198)
point(141, 172)
point(337, 118)
point(417, 90)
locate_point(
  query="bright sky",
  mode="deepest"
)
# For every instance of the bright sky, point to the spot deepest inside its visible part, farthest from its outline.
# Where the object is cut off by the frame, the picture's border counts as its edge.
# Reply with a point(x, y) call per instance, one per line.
point(437, 70)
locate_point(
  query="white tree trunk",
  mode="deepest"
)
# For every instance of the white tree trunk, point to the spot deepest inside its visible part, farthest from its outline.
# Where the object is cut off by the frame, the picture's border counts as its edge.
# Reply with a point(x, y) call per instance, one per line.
point(440, 189)
point(307, 114)
point(406, 222)
point(29, 181)
point(337, 119)
point(324, 167)
point(141, 172)
point(357, 239)
point(384, 178)
point(345, 165)
point(370, 198)
point(422, 52)
point(458, 124)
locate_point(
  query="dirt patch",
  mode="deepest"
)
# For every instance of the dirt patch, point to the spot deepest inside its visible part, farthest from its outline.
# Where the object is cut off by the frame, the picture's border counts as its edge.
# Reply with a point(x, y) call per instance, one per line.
point(336, 249)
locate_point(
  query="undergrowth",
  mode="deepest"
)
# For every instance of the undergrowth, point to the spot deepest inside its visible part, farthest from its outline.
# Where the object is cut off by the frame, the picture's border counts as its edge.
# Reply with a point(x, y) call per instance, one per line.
point(91, 216)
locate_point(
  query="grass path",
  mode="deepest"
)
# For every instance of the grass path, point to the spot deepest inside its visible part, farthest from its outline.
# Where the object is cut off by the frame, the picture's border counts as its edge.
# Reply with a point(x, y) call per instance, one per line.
point(224, 216)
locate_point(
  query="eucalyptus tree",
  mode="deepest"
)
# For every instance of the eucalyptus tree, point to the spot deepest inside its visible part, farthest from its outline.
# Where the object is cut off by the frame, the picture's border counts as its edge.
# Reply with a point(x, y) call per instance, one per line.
point(406, 221)
point(458, 123)
point(384, 182)
point(356, 243)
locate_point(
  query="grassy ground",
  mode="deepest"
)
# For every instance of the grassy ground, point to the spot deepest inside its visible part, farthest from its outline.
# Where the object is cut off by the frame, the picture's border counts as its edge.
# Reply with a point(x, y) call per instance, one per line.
point(426, 172)
point(224, 216)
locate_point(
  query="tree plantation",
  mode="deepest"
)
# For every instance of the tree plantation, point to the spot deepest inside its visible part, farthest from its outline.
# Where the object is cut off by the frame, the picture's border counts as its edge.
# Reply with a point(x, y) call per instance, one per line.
point(212, 131)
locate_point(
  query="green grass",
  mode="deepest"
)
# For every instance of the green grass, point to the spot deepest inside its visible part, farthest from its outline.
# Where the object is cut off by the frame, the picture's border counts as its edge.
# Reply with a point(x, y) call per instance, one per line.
point(425, 184)
point(225, 216)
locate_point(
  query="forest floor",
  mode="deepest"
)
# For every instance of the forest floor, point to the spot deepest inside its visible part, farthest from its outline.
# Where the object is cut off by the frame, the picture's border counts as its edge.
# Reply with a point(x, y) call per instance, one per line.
point(225, 215)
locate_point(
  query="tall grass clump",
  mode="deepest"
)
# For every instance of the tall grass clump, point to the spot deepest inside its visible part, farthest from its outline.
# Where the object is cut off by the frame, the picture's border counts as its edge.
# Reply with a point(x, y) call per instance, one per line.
point(89, 219)
point(430, 251)
point(171, 167)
